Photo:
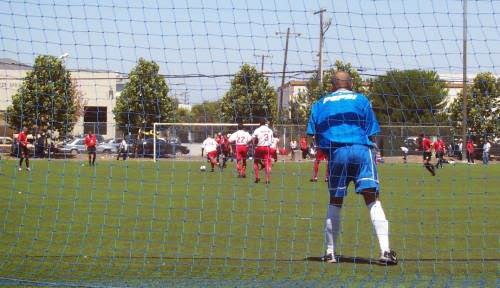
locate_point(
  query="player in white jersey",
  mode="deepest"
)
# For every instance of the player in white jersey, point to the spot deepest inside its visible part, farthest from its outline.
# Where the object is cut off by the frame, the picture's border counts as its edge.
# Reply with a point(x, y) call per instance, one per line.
point(241, 138)
point(210, 147)
point(274, 147)
point(263, 138)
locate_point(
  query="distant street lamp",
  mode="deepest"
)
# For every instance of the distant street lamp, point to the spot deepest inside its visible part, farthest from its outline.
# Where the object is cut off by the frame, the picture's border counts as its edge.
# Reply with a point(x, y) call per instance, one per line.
point(63, 57)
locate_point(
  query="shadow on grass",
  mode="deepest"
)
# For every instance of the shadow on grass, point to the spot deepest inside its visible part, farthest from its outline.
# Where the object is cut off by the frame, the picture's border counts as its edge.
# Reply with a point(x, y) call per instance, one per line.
point(347, 259)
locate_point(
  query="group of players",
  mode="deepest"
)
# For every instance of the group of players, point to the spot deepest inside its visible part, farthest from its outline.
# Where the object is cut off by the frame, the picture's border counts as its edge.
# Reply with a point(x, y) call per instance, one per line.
point(426, 146)
point(263, 139)
point(90, 142)
point(265, 142)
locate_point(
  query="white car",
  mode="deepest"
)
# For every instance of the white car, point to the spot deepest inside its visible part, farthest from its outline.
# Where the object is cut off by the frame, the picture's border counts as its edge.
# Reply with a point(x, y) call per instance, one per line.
point(107, 147)
point(73, 146)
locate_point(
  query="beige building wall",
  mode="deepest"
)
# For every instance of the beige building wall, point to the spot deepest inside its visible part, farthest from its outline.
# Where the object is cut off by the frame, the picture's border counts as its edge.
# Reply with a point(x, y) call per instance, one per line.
point(98, 88)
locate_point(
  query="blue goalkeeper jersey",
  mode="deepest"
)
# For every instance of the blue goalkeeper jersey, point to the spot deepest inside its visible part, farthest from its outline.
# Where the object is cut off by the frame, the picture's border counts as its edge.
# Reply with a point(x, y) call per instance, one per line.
point(342, 117)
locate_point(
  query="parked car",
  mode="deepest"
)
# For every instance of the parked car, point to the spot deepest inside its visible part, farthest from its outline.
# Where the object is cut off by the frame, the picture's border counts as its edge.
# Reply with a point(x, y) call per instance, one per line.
point(164, 148)
point(114, 142)
point(5, 144)
point(107, 148)
point(72, 146)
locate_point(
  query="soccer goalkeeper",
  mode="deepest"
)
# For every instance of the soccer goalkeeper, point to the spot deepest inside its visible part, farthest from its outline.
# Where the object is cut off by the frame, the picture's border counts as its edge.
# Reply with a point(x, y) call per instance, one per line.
point(343, 122)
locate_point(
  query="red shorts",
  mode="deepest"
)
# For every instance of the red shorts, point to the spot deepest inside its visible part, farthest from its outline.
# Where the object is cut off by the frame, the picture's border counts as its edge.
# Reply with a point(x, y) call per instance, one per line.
point(262, 153)
point(320, 155)
point(273, 153)
point(212, 155)
point(241, 152)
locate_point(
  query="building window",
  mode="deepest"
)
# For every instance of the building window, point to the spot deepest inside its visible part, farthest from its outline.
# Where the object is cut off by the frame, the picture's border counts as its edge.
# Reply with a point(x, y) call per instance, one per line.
point(95, 119)
point(119, 87)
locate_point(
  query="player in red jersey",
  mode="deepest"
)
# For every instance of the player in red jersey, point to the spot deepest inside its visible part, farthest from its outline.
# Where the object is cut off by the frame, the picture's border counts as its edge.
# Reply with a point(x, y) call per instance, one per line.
point(90, 143)
point(263, 138)
point(303, 147)
point(320, 156)
point(225, 149)
point(426, 147)
point(241, 139)
point(440, 149)
point(24, 152)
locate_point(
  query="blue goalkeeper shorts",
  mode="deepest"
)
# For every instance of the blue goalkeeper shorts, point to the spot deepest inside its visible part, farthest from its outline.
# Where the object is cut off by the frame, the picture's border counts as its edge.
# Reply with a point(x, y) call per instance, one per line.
point(354, 163)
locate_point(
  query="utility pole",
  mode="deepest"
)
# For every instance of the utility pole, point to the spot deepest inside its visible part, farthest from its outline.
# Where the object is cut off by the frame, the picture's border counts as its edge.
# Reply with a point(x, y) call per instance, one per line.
point(464, 80)
point(280, 109)
point(262, 56)
point(323, 27)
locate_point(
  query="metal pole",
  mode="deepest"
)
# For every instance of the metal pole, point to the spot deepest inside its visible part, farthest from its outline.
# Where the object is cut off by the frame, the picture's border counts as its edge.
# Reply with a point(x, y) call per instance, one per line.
point(154, 142)
point(464, 80)
point(262, 58)
point(320, 53)
point(280, 111)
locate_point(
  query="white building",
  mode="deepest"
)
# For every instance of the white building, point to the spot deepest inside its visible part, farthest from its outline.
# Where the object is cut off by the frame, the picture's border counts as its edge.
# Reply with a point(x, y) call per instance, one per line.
point(291, 90)
point(99, 90)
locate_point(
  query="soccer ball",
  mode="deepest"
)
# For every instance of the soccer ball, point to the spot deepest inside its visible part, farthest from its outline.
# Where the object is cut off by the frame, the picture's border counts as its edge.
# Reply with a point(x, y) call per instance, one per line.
point(203, 168)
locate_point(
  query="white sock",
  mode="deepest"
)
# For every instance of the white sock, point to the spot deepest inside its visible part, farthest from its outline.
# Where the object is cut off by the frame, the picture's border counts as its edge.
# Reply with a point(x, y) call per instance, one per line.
point(332, 228)
point(380, 224)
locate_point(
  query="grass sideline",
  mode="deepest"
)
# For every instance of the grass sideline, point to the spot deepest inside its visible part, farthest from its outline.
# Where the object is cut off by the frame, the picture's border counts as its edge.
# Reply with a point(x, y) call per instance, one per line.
point(139, 222)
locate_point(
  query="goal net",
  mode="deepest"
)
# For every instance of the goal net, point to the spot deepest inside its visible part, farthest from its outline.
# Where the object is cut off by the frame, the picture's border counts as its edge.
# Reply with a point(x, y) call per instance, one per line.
point(152, 79)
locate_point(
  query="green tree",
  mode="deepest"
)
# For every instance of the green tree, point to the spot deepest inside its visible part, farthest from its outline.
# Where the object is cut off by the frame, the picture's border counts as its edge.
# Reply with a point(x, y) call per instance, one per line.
point(300, 107)
point(249, 98)
point(144, 99)
point(206, 112)
point(47, 98)
point(409, 97)
point(483, 104)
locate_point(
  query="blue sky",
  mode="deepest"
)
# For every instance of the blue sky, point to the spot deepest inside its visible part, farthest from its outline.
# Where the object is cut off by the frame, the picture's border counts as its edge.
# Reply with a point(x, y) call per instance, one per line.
point(215, 37)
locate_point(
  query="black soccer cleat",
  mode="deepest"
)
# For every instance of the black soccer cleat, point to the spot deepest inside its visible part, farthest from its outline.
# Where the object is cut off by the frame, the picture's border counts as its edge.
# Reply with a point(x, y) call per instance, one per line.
point(257, 180)
point(313, 180)
point(389, 258)
point(328, 258)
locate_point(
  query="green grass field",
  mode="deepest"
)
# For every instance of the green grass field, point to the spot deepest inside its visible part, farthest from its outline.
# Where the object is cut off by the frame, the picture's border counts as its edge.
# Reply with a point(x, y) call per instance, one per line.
point(141, 223)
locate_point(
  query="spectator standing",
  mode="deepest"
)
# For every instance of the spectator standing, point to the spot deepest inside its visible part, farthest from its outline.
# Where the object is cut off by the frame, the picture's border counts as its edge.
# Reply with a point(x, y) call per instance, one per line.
point(293, 148)
point(470, 151)
point(486, 151)
point(40, 146)
point(122, 150)
point(303, 147)
point(460, 146)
